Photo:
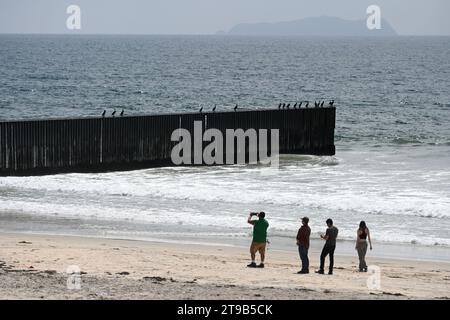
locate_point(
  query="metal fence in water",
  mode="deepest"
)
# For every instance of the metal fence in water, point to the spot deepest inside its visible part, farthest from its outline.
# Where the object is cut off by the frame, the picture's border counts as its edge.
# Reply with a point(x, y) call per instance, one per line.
point(34, 147)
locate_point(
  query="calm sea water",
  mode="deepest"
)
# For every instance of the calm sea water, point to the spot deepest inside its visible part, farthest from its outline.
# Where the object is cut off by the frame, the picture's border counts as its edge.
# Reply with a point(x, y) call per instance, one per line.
point(392, 167)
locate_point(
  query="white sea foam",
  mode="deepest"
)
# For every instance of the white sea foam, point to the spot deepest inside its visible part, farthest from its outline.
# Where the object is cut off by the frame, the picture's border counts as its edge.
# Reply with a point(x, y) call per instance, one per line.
point(398, 200)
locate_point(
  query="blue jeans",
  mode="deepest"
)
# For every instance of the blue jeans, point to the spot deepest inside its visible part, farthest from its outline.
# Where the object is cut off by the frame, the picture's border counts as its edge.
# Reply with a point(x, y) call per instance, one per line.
point(303, 252)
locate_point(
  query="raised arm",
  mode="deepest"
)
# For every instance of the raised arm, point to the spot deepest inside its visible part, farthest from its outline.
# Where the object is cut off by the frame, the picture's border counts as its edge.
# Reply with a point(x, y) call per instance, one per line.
point(249, 220)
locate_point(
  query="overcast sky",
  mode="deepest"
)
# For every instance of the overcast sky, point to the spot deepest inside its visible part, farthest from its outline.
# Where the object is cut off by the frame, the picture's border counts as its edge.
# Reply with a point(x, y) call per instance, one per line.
point(407, 17)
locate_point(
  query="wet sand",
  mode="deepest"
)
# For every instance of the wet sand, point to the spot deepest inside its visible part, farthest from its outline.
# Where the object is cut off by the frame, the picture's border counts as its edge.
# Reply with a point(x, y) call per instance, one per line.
point(35, 267)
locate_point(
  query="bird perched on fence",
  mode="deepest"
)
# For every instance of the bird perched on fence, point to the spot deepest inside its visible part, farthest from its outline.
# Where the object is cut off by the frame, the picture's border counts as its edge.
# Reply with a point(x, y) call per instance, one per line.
point(214, 109)
point(279, 106)
point(331, 103)
point(103, 113)
point(300, 105)
point(201, 109)
point(121, 113)
point(113, 113)
point(321, 105)
point(288, 105)
point(235, 107)
point(295, 105)
point(307, 104)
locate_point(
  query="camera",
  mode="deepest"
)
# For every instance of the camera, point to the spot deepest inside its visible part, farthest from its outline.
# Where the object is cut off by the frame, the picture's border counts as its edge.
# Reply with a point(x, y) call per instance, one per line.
point(253, 214)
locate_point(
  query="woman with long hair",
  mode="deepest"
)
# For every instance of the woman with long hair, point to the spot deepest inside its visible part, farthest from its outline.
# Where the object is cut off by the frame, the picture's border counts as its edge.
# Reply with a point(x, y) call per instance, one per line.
point(362, 236)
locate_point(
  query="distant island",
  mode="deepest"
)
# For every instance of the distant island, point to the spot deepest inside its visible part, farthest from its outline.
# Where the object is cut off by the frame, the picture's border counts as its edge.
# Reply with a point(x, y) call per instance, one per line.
point(314, 26)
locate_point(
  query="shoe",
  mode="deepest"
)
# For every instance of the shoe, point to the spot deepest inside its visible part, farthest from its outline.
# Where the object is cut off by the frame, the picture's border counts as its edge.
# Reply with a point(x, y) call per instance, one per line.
point(320, 272)
point(303, 272)
point(261, 265)
point(361, 270)
point(365, 270)
point(330, 272)
point(252, 265)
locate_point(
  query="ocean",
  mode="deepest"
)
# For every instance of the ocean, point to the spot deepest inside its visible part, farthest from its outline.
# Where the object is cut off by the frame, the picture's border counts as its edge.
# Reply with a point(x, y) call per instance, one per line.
point(392, 162)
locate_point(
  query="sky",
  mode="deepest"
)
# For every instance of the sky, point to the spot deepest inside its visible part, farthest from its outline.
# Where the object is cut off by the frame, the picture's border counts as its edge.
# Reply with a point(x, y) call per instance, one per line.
point(407, 17)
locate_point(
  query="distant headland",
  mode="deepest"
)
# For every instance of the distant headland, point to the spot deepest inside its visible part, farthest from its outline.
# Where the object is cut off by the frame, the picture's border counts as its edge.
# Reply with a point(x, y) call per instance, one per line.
point(314, 26)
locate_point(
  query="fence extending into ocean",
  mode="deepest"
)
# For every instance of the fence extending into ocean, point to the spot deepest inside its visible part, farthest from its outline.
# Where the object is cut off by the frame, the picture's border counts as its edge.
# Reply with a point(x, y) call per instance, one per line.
point(97, 144)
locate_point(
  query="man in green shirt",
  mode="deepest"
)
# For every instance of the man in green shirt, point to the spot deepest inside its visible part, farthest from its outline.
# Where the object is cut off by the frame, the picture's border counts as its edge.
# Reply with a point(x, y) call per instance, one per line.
point(259, 238)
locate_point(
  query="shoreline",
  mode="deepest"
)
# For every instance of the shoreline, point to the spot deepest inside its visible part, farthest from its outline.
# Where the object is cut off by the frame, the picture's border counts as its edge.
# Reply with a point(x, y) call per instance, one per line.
point(141, 231)
point(132, 230)
point(34, 267)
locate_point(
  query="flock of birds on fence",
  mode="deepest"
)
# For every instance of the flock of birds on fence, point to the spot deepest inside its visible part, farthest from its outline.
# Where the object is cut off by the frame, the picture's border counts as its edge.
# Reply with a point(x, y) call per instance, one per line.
point(299, 105)
point(113, 113)
point(281, 106)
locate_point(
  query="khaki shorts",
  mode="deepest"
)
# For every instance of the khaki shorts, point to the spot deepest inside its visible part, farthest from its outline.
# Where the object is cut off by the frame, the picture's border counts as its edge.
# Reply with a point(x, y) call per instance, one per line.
point(258, 246)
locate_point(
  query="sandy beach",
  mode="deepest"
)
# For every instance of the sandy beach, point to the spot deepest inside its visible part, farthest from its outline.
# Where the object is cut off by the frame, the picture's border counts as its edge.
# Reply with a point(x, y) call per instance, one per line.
point(35, 267)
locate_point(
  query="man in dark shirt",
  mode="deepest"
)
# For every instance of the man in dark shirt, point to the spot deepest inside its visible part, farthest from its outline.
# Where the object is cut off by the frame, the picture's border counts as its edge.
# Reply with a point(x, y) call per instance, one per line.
point(259, 238)
point(329, 247)
point(303, 244)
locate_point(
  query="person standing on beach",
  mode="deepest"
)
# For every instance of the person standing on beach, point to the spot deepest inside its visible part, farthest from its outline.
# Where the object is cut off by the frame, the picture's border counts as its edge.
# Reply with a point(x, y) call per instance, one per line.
point(260, 227)
point(329, 247)
point(361, 245)
point(303, 244)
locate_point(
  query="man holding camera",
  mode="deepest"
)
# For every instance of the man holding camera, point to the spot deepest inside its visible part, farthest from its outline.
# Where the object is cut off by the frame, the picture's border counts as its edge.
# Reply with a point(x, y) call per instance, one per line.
point(259, 238)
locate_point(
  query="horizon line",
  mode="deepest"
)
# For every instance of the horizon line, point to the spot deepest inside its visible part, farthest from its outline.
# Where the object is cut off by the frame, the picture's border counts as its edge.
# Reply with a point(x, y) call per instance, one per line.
point(225, 34)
